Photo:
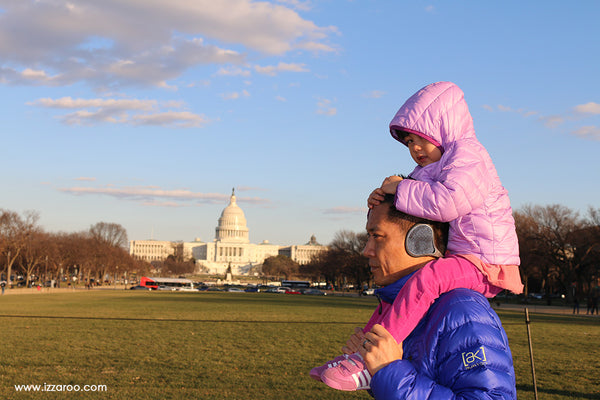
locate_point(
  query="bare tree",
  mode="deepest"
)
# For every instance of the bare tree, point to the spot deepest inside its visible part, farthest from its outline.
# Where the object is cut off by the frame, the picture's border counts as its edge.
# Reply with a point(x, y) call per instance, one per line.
point(280, 265)
point(109, 233)
point(350, 258)
point(342, 262)
point(15, 231)
point(548, 235)
point(586, 253)
point(174, 265)
point(33, 253)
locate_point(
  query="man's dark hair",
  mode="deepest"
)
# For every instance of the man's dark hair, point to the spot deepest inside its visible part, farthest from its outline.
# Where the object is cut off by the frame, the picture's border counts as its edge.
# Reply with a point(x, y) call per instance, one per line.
point(406, 221)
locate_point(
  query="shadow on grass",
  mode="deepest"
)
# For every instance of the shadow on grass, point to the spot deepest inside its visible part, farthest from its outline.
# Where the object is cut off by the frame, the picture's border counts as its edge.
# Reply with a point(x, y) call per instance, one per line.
point(566, 393)
point(265, 299)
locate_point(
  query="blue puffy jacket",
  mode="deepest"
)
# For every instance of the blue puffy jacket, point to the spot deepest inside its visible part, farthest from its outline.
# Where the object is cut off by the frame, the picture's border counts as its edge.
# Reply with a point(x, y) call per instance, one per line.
point(459, 350)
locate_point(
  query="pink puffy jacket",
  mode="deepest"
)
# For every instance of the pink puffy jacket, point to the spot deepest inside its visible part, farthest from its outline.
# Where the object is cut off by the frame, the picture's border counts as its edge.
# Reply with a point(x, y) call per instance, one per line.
point(462, 188)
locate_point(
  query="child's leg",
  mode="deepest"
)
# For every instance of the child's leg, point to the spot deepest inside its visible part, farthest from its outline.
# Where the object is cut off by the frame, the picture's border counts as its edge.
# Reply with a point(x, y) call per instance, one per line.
point(411, 304)
point(316, 372)
point(501, 276)
point(426, 285)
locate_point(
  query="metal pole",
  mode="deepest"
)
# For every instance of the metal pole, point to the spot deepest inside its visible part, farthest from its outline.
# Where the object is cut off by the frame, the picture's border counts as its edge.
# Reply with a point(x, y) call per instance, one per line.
point(531, 353)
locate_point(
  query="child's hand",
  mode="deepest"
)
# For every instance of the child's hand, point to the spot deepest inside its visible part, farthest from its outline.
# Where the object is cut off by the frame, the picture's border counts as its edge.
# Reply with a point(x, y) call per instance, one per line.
point(391, 179)
point(390, 184)
point(355, 342)
point(375, 197)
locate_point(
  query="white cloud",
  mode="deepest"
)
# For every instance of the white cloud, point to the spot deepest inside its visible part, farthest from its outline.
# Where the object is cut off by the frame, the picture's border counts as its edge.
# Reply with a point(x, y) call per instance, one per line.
point(298, 5)
point(272, 70)
point(502, 108)
point(148, 43)
point(588, 132)
point(233, 71)
point(235, 95)
point(345, 210)
point(171, 204)
point(324, 107)
point(588, 108)
point(374, 94)
point(116, 104)
point(159, 197)
point(180, 119)
point(123, 111)
point(552, 121)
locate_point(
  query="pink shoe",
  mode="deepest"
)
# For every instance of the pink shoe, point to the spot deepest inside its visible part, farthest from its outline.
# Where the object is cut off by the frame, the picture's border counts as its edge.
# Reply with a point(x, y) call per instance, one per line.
point(316, 372)
point(349, 375)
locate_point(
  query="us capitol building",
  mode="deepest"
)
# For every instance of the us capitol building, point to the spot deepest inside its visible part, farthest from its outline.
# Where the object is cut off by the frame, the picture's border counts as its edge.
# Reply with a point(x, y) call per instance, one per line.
point(231, 247)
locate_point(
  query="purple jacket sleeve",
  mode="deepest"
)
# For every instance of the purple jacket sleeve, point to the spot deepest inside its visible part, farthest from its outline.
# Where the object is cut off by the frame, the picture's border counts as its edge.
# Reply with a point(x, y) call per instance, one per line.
point(460, 183)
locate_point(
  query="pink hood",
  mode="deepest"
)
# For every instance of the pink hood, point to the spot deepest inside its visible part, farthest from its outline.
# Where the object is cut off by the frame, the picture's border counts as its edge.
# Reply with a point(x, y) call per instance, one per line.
point(462, 188)
point(438, 111)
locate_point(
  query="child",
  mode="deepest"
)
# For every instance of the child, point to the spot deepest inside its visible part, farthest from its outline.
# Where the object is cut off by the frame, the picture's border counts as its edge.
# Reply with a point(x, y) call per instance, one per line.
point(455, 181)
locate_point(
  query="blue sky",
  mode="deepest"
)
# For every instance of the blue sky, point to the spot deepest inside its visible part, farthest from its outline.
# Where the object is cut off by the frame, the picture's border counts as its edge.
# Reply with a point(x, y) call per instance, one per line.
point(148, 113)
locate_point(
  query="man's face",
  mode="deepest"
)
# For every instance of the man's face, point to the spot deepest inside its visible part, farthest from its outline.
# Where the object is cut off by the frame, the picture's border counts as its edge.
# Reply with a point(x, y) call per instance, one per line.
point(385, 248)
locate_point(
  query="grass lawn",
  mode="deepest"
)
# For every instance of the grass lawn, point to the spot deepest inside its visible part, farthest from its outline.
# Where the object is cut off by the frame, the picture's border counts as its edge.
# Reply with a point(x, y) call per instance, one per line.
point(162, 345)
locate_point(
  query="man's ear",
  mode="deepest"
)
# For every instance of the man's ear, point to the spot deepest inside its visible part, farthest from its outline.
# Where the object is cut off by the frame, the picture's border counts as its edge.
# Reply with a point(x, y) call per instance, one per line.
point(420, 241)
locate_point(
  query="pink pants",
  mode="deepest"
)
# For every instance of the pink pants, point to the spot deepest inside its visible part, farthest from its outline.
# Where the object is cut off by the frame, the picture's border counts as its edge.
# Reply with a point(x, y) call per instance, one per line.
point(438, 277)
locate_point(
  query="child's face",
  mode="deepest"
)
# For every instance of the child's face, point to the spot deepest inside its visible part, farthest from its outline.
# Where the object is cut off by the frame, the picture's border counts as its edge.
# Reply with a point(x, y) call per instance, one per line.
point(422, 150)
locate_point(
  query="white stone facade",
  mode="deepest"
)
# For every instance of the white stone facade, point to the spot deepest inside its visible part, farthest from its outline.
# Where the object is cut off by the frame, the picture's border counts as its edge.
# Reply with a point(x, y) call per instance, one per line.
point(231, 247)
point(303, 253)
point(151, 250)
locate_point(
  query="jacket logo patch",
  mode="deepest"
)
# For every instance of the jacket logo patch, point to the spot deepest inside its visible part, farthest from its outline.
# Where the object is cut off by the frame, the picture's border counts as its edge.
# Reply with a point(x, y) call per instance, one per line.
point(472, 359)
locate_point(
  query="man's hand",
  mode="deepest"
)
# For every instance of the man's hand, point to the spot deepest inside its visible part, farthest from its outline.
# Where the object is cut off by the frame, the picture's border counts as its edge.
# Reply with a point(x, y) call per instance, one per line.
point(379, 349)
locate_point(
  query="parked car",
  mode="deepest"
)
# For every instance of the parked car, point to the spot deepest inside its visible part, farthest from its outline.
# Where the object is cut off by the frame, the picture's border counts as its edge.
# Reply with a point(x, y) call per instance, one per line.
point(186, 289)
point(368, 292)
point(235, 290)
point(138, 287)
point(166, 288)
point(282, 289)
point(314, 292)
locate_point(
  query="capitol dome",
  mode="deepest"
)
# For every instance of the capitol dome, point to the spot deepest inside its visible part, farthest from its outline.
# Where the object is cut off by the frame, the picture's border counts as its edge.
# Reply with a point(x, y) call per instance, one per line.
point(232, 224)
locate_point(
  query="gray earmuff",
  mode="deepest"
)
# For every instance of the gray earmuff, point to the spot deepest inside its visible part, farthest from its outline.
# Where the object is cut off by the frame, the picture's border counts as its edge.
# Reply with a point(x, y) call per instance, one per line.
point(420, 241)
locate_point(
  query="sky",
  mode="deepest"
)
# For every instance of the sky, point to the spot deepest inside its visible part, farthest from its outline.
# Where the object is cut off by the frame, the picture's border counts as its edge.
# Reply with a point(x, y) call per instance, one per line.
point(148, 113)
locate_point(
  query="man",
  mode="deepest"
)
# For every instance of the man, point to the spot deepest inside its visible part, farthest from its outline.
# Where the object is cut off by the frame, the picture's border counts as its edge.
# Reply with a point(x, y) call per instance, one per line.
point(458, 350)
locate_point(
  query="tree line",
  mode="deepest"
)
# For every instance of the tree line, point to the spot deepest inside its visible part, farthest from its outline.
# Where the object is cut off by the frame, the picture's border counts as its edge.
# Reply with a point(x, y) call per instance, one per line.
point(30, 252)
point(559, 250)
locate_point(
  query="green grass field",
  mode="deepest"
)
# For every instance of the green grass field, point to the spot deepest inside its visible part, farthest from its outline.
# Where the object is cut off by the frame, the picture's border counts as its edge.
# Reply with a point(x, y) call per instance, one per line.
point(162, 345)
